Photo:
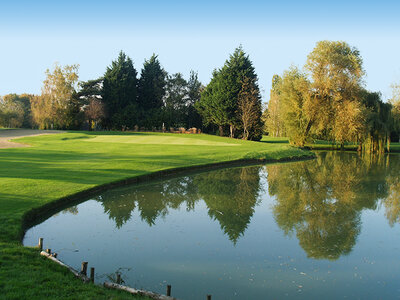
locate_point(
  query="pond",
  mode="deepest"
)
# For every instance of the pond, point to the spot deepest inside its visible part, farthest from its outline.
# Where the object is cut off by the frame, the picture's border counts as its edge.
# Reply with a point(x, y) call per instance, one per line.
point(324, 228)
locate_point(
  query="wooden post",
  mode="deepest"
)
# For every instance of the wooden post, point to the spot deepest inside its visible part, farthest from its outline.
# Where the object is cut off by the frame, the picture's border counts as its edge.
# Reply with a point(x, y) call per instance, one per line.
point(168, 290)
point(84, 278)
point(92, 275)
point(40, 245)
point(208, 297)
point(48, 251)
point(119, 278)
point(84, 268)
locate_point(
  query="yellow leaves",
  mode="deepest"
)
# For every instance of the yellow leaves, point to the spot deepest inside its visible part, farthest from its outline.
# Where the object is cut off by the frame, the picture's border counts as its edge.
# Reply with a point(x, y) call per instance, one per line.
point(51, 108)
point(348, 121)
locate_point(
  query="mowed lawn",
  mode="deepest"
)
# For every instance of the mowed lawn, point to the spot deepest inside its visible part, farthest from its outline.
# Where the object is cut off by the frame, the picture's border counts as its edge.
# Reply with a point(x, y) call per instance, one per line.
point(59, 165)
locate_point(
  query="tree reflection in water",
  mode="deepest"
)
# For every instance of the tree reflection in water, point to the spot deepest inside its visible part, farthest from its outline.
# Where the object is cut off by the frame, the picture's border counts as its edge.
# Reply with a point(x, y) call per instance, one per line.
point(230, 195)
point(320, 201)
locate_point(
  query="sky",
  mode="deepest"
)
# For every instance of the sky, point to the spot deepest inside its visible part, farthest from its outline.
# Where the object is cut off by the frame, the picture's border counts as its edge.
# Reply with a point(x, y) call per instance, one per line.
point(197, 36)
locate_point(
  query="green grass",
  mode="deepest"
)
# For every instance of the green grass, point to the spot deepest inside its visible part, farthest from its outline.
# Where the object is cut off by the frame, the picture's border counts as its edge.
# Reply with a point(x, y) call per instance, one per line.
point(323, 145)
point(60, 165)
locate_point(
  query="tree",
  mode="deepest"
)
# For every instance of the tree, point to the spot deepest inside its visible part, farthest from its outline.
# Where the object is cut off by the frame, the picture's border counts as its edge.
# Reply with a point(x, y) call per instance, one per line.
point(296, 106)
point(326, 102)
point(90, 98)
point(54, 108)
point(94, 113)
point(194, 87)
point(175, 101)
point(212, 106)
point(23, 101)
point(11, 113)
point(273, 118)
point(378, 123)
point(16, 110)
point(119, 92)
point(179, 101)
point(219, 101)
point(395, 102)
point(349, 123)
point(152, 85)
point(336, 71)
point(249, 109)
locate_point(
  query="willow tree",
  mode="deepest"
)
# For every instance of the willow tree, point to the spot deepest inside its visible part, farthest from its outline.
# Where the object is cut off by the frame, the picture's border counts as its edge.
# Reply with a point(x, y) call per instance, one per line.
point(297, 107)
point(379, 123)
point(337, 73)
point(395, 102)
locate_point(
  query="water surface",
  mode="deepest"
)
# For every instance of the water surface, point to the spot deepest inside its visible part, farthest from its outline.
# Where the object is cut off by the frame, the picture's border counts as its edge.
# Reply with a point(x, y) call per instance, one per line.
point(324, 228)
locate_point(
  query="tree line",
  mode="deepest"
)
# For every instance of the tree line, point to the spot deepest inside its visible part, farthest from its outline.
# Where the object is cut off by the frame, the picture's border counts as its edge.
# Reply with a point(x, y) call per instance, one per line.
point(327, 100)
point(155, 100)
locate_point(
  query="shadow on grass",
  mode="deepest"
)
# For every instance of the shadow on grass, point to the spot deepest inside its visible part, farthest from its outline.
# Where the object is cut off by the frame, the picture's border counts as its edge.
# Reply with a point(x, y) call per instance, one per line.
point(66, 167)
point(275, 142)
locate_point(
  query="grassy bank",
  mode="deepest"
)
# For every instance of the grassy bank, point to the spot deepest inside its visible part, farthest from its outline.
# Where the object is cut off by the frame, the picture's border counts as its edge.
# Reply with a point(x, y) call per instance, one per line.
point(57, 166)
point(323, 145)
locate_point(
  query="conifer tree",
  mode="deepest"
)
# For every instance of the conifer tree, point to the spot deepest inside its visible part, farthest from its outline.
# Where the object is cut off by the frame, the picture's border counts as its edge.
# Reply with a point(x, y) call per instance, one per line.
point(119, 93)
point(152, 85)
point(219, 101)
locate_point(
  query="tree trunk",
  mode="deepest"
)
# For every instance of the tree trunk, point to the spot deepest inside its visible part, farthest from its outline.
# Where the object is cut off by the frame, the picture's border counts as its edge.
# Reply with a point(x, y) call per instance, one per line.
point(221, 130)
point(308, 128)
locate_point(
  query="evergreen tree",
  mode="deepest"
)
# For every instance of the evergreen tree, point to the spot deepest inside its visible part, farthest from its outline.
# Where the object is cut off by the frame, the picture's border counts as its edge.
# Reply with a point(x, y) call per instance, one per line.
point(194, 87)
point(179, 101)
point(219, 101)
point(152, 85)
point(91, 103)
point(119, 92)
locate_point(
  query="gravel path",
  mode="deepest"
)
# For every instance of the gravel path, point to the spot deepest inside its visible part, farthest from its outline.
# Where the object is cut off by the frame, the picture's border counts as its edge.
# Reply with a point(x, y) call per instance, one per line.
point(9, 134)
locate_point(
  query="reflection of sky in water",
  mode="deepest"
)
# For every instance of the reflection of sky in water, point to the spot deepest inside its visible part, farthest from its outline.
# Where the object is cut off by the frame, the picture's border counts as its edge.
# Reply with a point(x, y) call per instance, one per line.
point(221, 232)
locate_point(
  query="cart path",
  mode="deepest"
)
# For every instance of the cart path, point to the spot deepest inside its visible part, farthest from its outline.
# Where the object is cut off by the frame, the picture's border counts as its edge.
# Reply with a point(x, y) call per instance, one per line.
point(8, 134)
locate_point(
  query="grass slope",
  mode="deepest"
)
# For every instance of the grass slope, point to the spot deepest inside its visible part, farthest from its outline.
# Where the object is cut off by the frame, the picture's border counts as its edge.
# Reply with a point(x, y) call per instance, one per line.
point(60, 165)
point(324, 145)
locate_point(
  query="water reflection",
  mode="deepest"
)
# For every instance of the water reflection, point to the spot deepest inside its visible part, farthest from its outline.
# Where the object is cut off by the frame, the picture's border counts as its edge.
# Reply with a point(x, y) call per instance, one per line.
point(321, 201)
point(318, 201)
point(230, 195)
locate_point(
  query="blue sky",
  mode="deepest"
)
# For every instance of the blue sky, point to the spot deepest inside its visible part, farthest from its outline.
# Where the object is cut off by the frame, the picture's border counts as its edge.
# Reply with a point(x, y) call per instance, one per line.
point(192, 35)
